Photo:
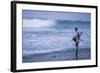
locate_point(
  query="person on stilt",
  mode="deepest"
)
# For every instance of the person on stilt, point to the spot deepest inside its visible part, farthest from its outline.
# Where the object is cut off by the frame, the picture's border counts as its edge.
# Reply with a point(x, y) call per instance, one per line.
point(76, 39)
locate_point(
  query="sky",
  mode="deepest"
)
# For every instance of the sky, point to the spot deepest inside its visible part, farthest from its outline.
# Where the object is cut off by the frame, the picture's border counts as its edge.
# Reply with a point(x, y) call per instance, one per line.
point(34, 14)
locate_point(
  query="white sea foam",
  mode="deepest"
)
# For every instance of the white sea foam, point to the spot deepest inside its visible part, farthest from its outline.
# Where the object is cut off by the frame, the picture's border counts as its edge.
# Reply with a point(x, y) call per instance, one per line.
point(44, 38)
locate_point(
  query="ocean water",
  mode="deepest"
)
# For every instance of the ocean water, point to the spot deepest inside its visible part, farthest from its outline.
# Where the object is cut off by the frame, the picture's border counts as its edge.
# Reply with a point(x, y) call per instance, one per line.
point(55, 38)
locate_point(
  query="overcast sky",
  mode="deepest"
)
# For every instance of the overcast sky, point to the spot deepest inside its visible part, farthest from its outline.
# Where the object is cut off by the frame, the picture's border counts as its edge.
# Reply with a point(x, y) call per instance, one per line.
point(51, 15)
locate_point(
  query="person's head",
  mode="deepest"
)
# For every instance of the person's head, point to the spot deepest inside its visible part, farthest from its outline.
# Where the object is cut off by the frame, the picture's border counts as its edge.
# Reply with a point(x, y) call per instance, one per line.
point(76, 29)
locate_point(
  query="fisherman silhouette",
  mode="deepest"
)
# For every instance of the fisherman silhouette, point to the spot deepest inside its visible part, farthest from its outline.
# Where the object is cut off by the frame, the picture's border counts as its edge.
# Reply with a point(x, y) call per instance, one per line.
point(76, 39)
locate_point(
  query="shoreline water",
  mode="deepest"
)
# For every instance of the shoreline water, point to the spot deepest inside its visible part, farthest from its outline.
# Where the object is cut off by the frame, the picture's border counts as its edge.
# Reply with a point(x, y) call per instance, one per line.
point(83, 54)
